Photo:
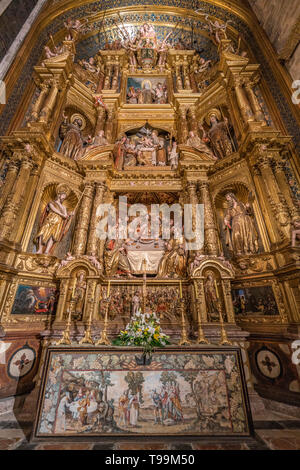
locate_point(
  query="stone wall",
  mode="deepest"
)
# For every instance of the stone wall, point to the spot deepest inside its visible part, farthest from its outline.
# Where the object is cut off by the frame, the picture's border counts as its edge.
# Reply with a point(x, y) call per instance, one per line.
point(281, 21)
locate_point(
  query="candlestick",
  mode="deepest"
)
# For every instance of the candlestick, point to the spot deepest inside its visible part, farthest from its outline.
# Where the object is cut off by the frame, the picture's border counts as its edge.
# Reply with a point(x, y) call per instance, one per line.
point(184, 338)
point(180, 289)
point(65, 339)
point(108, 289)
point(104, 338)
point(87, 336)
point(201, 337)
point(224, 337)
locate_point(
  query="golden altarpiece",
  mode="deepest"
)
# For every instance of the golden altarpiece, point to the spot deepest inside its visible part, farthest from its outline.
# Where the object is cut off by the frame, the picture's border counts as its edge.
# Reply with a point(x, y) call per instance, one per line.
point(149, 119)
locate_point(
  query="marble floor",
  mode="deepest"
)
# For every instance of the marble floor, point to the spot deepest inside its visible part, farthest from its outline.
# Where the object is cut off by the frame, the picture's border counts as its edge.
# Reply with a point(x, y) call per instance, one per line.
point(273, 431)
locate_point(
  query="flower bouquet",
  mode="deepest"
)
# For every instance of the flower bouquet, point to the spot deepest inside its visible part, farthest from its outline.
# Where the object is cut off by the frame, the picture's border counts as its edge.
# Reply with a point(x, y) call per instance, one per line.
point(143, 330)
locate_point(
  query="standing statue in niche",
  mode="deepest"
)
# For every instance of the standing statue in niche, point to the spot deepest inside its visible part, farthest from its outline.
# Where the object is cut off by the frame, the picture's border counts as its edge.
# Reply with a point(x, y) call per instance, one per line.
point(211, 297)
point(70, 133)
point(78, 296)
point(218, 135)
point(173, 155)
point(241, 234)
point(54, 223)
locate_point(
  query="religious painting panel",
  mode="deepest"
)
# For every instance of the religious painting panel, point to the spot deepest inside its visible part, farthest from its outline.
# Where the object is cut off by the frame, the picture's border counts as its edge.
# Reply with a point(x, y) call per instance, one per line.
point(257, 300)
point(147, 90)
point(35, 300)
point(104, 393)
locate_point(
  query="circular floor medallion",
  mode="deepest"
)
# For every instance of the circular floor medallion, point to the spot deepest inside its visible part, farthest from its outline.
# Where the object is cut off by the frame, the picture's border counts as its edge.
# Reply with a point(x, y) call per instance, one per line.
point(268, 363)
point(21, 362)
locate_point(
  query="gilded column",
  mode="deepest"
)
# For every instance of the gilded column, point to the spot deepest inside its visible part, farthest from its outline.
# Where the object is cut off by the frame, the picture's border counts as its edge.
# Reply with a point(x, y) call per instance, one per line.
point(226, 288)
point(210, 228)
point(115, 79)
point(187, 83)
point(82, 225)
point(179, 83)
point(258, 112)
point(193, 199)
point(285, 187)
point(49, 103)
point(193, 120)
point(100, 119)
point(92, 238)
point(106, 85)
point(22, 219)
point(183, 126)
point(279, 211)
point(39, 102)
point(11, 175)
point(274, 233)
point(61, 306)
point(109, 125)
point(242, 100)
point(200, 299)
point(15, 200)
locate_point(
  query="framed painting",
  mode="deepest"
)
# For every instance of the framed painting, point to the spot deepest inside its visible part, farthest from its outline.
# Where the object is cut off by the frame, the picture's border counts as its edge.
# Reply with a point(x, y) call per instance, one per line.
point(103, 392)
point(256, 300)
point(147, 90)
point(34, 300)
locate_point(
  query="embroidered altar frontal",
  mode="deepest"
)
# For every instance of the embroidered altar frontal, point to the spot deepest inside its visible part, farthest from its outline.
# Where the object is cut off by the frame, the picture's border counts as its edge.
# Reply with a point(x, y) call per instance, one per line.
point(103, 392)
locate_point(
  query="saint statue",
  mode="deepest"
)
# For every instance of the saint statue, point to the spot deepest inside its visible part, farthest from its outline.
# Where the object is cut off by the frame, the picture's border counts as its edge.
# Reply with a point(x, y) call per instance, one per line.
point(173, 155)
point(78, 296)
point(241, 234)
point(173, 262)
point(218, 136)
point(119, 153)
point(54, 223)
point(211, 297)
point(197, 143)
point(70, 133)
